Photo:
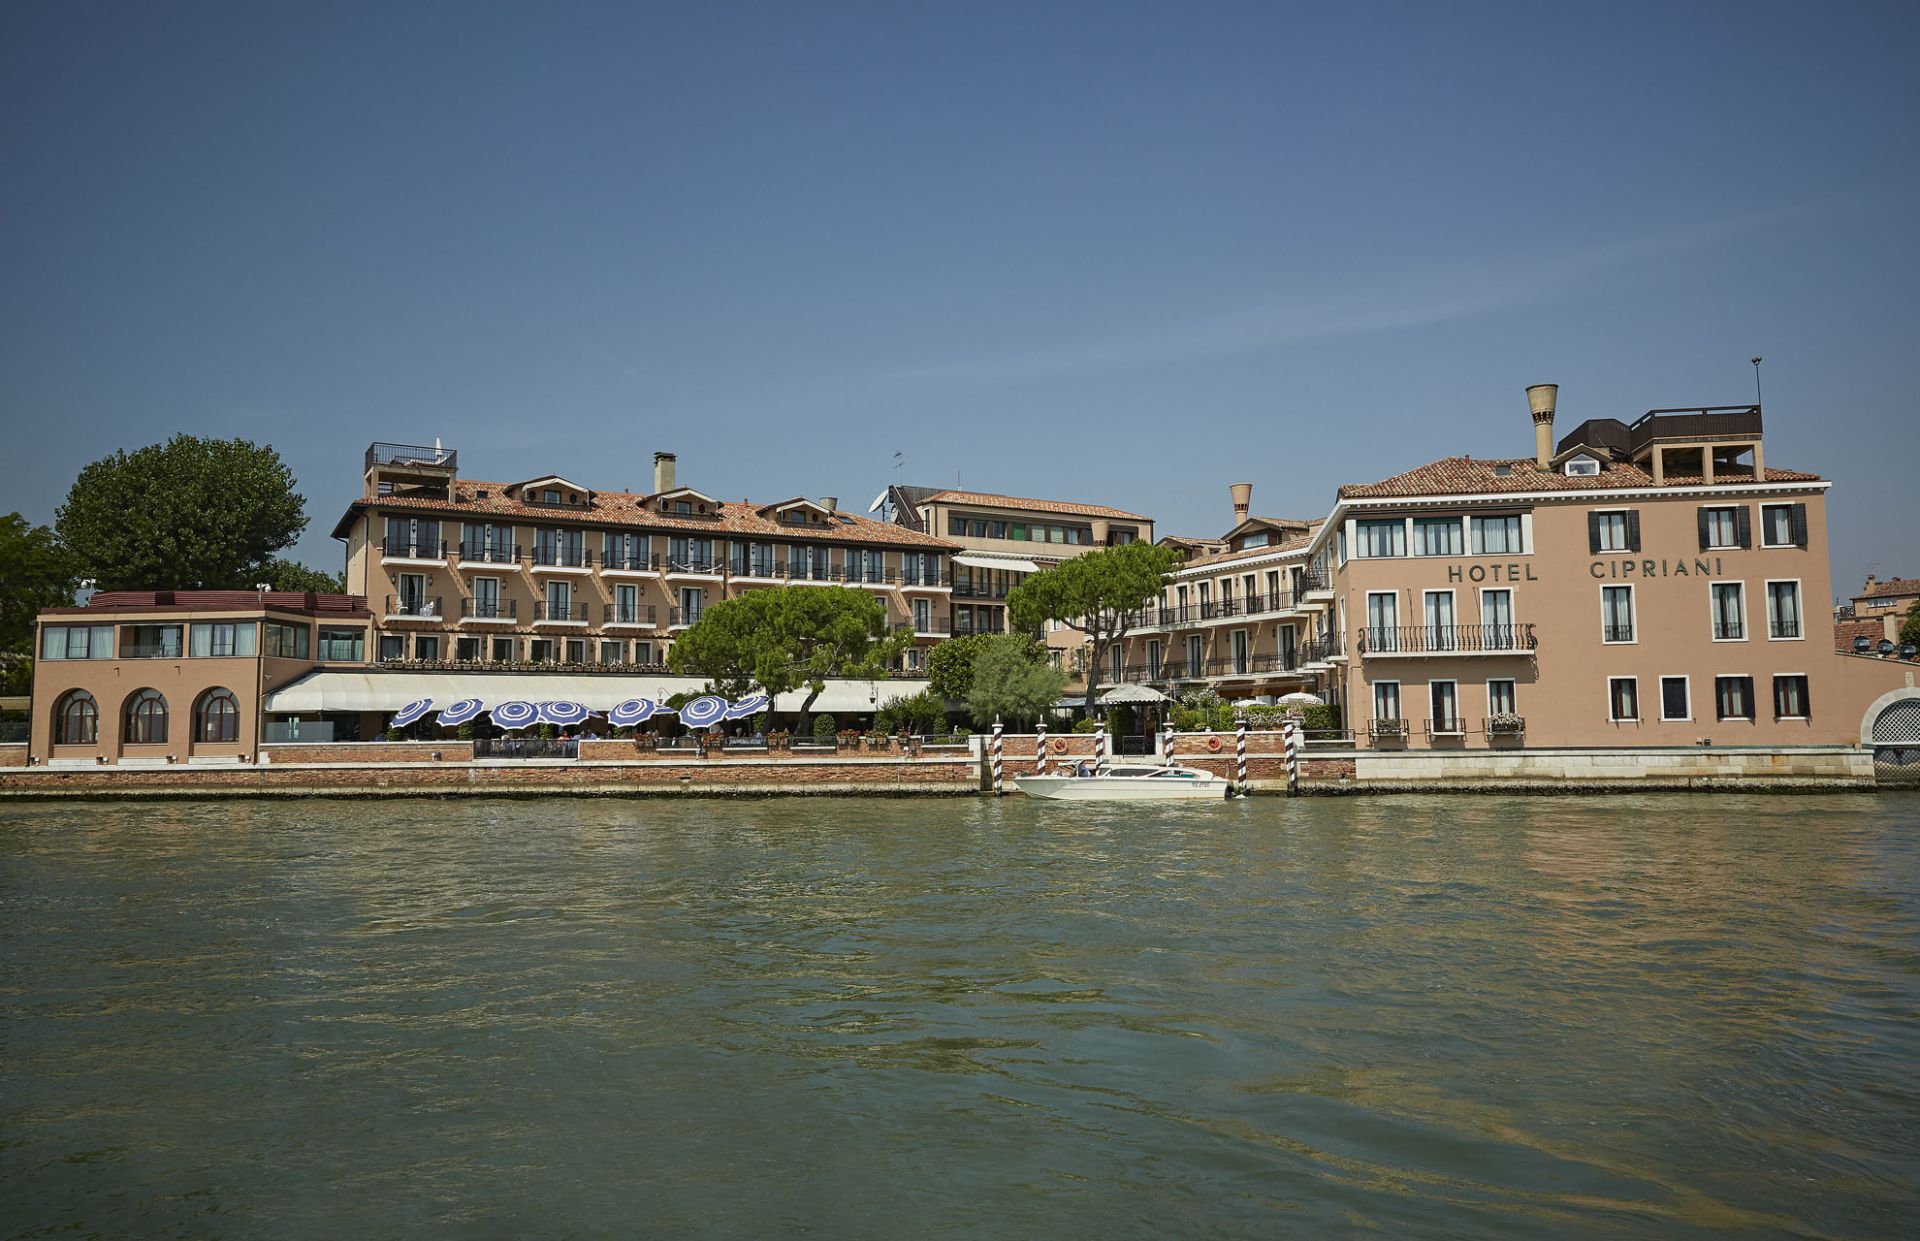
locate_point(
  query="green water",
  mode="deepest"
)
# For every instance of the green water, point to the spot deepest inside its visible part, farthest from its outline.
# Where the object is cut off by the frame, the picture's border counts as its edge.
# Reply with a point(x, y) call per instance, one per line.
point(1658, 1017)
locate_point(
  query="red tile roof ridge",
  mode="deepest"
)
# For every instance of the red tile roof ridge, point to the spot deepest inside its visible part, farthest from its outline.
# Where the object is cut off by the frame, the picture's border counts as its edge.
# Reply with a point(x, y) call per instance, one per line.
point(1056, 506)
point(1473, 476)
point(1892, 586)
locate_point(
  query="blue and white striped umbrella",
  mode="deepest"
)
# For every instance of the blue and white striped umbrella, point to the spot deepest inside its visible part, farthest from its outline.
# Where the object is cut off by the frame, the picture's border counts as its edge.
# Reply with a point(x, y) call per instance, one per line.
point(633, 711)
point(462, 711)
point(565, 714)
point(704, 710)
point(752, 704)
point(516, 714)
point(411, 712)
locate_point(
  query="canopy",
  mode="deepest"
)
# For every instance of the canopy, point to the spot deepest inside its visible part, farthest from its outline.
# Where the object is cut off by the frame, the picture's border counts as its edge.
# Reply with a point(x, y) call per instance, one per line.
point(982, 560)
point(342, 690)
point(1306, 700)
point(1131, 693)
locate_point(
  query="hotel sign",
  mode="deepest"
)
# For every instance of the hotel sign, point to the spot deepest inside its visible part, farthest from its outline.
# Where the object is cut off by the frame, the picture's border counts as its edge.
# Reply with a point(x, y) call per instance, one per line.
point(1513, 571)
point(1703, 566)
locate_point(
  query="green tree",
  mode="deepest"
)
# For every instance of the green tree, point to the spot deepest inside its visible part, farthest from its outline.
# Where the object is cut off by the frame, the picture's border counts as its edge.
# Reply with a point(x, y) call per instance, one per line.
point(34, 574)
point(184, 515)
point(1910, 627)
point(950, 666)
point(1097, 594)
point(781, 640)
point(291, 575)
point(1010, 684)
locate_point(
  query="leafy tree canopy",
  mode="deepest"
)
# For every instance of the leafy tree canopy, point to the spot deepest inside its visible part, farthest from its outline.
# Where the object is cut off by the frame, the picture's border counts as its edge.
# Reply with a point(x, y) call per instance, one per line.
point(950, 666)
point(781, 640)
point(1910, 627)
point(1010, 684)
point(189, 514)
point(292, 575)
point(1095, 594)
point(34, 574)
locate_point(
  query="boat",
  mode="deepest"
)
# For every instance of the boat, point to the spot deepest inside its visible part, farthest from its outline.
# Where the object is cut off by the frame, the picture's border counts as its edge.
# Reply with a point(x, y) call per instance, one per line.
point(1128, 782)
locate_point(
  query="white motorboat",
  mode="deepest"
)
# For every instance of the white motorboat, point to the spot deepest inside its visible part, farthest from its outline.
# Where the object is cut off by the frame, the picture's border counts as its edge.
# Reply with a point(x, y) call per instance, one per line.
point(1127, 782)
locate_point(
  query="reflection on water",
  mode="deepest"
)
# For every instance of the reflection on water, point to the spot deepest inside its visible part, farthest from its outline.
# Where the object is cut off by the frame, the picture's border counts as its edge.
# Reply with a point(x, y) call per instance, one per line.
point(1667, 1016)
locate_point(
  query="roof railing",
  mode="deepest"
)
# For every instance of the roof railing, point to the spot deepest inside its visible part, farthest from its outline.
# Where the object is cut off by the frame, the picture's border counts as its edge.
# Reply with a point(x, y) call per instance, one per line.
point(411, 454)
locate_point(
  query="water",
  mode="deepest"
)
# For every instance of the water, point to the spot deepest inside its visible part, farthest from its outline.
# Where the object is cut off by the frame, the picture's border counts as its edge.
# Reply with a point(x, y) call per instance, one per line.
point(1659, 1017)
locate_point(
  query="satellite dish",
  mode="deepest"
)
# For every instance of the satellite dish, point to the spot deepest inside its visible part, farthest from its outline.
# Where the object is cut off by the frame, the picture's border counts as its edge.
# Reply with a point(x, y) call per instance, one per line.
point(877, 502)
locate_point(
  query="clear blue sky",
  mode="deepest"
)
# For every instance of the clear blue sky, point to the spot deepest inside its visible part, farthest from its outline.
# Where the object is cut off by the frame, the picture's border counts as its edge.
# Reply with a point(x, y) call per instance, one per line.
point(1117, 252)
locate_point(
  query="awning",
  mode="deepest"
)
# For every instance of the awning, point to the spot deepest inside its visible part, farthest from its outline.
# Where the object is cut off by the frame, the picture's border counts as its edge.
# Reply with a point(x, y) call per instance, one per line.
point(389, 691)
point(982, 560)
point(1131, 693)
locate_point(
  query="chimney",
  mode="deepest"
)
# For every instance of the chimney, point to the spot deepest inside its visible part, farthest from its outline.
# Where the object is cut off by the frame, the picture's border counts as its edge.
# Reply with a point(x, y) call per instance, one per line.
point(1242, 500)
point(1541, 399)
point(830, 503)
point(663, 472)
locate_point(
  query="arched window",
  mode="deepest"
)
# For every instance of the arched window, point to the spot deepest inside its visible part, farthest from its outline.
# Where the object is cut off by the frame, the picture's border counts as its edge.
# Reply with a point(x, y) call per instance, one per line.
point(76, 719)
point(146, 718)
point(216, 717)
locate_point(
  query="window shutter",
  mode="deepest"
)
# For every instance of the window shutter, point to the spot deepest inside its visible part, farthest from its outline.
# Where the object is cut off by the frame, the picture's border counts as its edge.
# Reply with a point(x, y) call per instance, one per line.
point(1743, 526)
point(1593, 533)
point(1633, 529)
point(1704, 541)
point(1797, 520)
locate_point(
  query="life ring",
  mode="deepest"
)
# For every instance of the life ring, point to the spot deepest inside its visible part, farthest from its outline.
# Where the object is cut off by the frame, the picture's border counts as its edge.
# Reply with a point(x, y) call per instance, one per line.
point(1059, 745)
point(1213, 745)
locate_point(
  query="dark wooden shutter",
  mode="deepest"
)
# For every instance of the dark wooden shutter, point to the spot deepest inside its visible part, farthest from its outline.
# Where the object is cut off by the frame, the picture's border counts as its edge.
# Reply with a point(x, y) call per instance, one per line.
point(1797, 521)
point(1704, 542)
point(1633, 529)
point(1593, 534)
point(1743, 526)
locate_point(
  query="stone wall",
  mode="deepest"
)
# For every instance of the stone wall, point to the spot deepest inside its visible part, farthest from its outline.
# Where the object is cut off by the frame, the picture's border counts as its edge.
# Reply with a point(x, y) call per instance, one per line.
point(1712, 767)
point(13, 754)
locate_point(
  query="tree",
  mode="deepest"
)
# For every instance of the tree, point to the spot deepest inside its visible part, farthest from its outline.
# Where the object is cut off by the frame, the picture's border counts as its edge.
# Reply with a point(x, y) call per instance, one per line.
point(34, 575)
point(781, 640)
point(1009, 684)
point(1096, 594)
point(189, 514)
point(291, 575)
point(950, 666)
point(1910, 627)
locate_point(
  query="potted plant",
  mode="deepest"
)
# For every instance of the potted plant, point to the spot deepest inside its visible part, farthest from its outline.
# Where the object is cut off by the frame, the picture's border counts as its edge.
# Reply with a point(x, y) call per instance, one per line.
point(1506, 724)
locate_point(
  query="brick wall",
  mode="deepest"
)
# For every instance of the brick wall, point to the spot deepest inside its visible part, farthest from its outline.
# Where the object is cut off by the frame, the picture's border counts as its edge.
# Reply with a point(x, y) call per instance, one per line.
point(368, 752)
point(13, 755)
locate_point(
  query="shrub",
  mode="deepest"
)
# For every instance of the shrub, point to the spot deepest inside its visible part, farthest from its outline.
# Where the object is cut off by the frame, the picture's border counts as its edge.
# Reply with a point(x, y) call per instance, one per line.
point(1322, 718)
point(823, 728)
point(1085, 726)
point(465, 731)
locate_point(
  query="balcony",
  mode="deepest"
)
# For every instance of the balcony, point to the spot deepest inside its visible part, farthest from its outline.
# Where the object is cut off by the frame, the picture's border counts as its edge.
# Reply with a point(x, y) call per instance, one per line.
point(1616, 633)
point(414, 608)
point(923, 579)
point(1387, 729)
point(545, 613)
point(630, 616)
point(482, 555)
point(1507, 725)
point(1783, 629)
point(1695, 424)
point(686, 566)
point(962, 626)
point(1418, 640)
point(552, 558)
point(931, 627)
point(1320, 651)
point(423, 551)
point(412, 454)
point(1444, 727)
point(616, 563)
point(682, 618)
point(1315, 584)
point(489, 611)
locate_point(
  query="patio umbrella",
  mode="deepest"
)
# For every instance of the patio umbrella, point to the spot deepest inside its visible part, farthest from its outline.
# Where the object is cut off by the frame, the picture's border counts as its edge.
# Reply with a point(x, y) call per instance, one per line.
point(462, 711)
point(411, 712)
point(752, 704)
point(704, 710)
point(633, 711)
point(1305, 700)
point(512, 715)
point(565, 714)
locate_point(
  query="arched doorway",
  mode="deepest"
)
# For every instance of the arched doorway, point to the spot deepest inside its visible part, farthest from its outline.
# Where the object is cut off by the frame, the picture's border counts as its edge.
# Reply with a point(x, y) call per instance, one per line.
point(1892, 728)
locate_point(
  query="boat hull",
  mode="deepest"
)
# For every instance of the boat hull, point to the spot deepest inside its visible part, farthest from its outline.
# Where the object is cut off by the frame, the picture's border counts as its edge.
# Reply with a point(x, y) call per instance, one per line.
point(1108, 788)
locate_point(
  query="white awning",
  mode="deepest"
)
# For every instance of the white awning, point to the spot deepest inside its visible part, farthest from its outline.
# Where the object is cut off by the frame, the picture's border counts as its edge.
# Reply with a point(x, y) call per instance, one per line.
point(982, 560)
point(389, 691)
point(1131, 693)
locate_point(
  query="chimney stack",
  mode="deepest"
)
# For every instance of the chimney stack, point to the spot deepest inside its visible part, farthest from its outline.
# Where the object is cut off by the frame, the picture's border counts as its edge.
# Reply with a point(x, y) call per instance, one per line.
point(1242, 500)
point(830, 503)
point(663, 472)
point(1541, 399)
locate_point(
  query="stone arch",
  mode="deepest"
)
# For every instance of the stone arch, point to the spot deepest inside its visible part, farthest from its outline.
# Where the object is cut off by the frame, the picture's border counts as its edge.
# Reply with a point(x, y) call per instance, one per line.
point(1892, 719)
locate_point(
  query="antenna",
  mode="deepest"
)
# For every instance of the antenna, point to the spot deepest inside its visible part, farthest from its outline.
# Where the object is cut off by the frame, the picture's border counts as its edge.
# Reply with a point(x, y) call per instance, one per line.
point(1756, 381)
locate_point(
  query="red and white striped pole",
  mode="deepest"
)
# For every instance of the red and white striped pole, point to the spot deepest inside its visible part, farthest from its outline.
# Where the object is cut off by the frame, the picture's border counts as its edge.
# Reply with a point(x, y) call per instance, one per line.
point(1167, 756)
point(997, 790)
point(1240, 756)
point(1040, 749)
point(1290, 734)
point(1100, 748)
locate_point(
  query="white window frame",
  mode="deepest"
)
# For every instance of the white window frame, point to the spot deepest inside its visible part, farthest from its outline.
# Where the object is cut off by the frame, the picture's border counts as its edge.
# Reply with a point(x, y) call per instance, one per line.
point(1401, 714)
point(1523, 533)
point(1413, 524)
point(1774, 695)
point(1244, 638)
point(1453, 610)
point(1621, 513)
point(1633, 614)
point(1514, 682)
point(1799, 605)
point(1686, 681)
point(1461, 721)
point(1637, 709)
point(1732, 516)
point(1752, 690)
point(1746, 615)
point(1763, 526)
point(1394, 639)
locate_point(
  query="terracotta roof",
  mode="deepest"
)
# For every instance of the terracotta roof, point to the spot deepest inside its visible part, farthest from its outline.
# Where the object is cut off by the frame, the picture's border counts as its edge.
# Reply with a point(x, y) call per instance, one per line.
point(1291, 543)
point(1895, 586)
point(1845, 631)
point(628, 510)
point(1471, 476)
point(1045, 506)
point(307, 602)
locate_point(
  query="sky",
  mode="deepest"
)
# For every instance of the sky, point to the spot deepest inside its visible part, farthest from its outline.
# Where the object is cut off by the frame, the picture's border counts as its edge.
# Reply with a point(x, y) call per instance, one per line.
point(1112, 252)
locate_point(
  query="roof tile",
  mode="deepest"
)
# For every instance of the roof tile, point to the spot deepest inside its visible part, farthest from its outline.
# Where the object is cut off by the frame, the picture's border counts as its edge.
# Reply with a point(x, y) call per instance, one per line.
point(1473, 476)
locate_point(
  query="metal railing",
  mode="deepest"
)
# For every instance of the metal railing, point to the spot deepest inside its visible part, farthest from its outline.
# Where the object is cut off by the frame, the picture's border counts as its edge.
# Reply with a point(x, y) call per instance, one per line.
point(1729, 630)
point(416, 606)
point(1445, 639)
point(561, 557)
point(1504, 726)
point(1443, 727)
point(489, 553)
point(677, 617)
point(1783, 629)
point(686, 565)
point(1616, 633)
point(630, 614)
point(1319, 650)
point(524, 747)
point(963, 627)
point(544, 611)
point(489, 609)
point(415, 549)
point(1314, 578)
point(632, 562)
point(1387, 728)
point(935, 627)
point(411, 454)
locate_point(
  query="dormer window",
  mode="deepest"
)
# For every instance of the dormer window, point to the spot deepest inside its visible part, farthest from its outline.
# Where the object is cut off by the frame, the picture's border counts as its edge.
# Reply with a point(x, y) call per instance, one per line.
point(550, 496)
point(683, 506)
point(1503, 471)
point(1582, 467)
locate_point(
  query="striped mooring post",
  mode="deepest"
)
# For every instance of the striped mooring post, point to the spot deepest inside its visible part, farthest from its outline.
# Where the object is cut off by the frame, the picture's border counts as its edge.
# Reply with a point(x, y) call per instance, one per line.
point(1168, 755)
point(997, 790)
point(1040, 749)
point(1290, 735)
point(1240, 757)
point(1100, 748)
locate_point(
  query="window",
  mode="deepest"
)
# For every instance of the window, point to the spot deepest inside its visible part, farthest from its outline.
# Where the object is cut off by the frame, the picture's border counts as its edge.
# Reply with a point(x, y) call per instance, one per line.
point(1790, 697)
point(1725, 528)
point(467, 650)
point(560, 601)
point(1676, 701)
point(76, 719)
point(503, 650)
point(1497, 631)
point(1616, 613)
point(427, 646)
point(343, 645)
point(393, 646)
point(288, 641)
point(1241, 663)
point(1386, 700)
point(1153, 659)
point(1729, 611)
point(683, 508)
point(540, 650)
point(1733, 697)
point(146, 718)
point(1623, 699)
point(150, 642)
point(1438, 536)
point(1501, 699)
point(576, 650)
point(1437, 609)
point(1383, 620)
point(1113, 662)
point(76, 642)
point(996, 529)
point(1783, 525)
point(1445, 704)
point(613, 652)
point(1254, 540)
point(216, 716)
point(1497, 535)
point(1783, 610)
point(1195, 647)
point(1381, 538)
point(1613, 532)
point(1018, 532)
point(1582, 467)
